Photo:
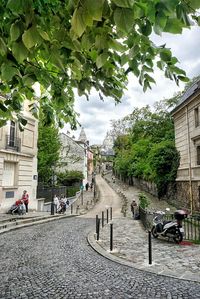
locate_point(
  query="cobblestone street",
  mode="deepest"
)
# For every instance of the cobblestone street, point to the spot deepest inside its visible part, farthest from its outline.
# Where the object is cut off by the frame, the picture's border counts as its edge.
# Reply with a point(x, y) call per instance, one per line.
point(53, 260)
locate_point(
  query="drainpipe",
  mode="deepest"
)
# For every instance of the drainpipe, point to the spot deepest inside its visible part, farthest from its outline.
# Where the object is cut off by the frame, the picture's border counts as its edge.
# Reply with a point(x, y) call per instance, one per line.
point(189, 158)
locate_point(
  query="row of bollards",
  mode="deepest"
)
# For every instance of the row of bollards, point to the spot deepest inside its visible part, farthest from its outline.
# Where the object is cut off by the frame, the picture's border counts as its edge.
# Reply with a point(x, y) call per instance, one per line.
point(98, 221)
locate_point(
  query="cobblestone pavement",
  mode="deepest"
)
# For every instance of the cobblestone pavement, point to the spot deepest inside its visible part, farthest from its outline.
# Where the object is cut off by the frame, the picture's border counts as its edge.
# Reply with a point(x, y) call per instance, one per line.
point(131, 243)
point(53, 260)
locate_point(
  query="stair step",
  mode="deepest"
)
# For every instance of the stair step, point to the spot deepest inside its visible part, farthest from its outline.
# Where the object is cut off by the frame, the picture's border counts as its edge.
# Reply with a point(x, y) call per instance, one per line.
point(19, 223)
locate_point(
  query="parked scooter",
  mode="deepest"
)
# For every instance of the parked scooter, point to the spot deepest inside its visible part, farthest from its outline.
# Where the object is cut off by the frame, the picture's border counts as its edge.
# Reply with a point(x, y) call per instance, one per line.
point(169, 228)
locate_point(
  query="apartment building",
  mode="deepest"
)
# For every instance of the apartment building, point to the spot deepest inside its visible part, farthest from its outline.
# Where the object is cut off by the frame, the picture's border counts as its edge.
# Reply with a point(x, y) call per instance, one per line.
point(18, 161)
point(186, 117)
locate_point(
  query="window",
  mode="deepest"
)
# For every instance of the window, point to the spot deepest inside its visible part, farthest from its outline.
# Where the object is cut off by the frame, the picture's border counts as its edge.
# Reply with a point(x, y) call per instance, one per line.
point(12, 134)
point(196, 117)
point(9, 174)
point(199, 196)
point(198, 155)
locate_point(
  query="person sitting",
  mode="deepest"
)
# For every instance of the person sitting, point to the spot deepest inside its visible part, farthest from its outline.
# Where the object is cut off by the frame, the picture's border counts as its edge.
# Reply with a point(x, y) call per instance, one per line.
point(62, 206)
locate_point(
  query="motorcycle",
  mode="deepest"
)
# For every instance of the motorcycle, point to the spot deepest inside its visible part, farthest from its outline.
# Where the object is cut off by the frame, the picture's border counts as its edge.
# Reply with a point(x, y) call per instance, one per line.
point(169, 228)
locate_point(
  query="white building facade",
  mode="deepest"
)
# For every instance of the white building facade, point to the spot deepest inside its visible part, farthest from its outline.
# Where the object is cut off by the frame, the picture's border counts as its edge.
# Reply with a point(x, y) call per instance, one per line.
point(187, 137)
point(73, 156)
point(18, 162)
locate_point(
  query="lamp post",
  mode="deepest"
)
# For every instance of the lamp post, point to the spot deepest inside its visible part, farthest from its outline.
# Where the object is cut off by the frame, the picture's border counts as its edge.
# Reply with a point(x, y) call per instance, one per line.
point(82, 197)
point(94, 180)
point(52, 195)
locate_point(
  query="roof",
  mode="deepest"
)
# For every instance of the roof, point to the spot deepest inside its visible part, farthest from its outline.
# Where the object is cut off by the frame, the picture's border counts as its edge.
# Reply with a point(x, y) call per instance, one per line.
point(186, 97)
point(82, 136)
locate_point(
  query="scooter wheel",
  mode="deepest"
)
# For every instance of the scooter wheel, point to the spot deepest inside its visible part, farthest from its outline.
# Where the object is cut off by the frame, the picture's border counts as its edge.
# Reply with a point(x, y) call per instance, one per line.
point(154, 232)
point(178, 238)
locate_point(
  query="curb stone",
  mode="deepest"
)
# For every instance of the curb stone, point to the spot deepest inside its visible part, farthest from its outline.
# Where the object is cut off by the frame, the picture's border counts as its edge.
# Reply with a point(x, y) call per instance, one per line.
point(96, 245)
point(34, 222)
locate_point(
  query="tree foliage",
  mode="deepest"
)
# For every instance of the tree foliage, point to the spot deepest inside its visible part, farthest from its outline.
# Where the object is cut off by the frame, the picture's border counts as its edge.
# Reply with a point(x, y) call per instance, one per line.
point(83, 44)
point(69, 178)
point(164, 161)
point(150, 152)
point(48, 151)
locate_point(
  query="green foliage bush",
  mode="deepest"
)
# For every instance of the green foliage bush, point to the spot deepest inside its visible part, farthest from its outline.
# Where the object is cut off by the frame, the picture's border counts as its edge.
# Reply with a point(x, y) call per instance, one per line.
point(149, 150)
point(144, 202)
point(164, 162)
point(70, 178)
point(48, 150)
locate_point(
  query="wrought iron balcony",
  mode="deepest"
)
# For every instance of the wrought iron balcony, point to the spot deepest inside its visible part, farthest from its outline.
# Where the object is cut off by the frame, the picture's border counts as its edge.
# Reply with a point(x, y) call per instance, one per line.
point(13, 143)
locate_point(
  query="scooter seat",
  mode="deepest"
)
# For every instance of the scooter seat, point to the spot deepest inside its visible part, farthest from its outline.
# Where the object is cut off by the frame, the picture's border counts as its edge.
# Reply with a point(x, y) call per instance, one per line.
point(166, 221)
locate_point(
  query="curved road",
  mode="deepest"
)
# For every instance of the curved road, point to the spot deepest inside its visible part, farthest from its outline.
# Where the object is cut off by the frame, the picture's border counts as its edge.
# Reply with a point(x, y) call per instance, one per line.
point(54, 260)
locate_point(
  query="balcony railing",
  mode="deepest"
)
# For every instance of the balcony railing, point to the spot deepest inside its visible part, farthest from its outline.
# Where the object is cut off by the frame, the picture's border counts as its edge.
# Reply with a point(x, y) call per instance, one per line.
point(13, 143)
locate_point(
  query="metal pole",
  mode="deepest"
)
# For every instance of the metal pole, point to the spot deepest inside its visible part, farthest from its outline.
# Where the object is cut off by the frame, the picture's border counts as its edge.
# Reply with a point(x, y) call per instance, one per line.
point(150, 248)
point(82, 197)
point(102, 219)
point(111, 237)
point(107, 215)
point(52, 195)
point(96, 224)
point(98, 229)
point(110, 213)
point(94, 189)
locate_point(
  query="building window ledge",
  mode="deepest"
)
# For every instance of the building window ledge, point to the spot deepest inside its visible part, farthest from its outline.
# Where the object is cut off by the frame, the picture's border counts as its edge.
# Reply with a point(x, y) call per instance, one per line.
point(9, 187)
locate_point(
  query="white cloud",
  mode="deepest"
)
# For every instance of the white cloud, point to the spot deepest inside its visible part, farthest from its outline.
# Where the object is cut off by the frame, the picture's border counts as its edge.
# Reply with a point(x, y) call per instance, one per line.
point(95, 115)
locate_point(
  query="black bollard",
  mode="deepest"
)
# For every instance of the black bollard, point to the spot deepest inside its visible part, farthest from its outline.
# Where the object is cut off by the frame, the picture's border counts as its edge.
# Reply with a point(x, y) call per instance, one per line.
point(96, 224)
point(110, 213)
point(150, 248)
point(102, 219)
point(111, 237)
point(52, 208)
point(107, 215)
point(98, 229)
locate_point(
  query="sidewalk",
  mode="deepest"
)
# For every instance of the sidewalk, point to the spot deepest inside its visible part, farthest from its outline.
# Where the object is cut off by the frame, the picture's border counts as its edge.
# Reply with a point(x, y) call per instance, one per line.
point(81, 206)
point(130, 243)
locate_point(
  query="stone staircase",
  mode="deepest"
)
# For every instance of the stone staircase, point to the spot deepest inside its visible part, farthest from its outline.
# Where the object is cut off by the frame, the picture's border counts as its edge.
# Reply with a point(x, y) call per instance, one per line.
point(15, 222)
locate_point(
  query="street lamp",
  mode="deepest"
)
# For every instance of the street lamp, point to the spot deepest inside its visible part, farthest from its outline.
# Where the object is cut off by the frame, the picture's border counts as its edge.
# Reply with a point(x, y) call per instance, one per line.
point(94, 181)
point(52, 193)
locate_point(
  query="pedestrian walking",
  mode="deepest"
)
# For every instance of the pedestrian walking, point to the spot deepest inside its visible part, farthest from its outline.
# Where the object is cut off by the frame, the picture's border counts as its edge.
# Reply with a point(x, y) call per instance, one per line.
point(86, 186)
point(134, 208)
point(56, 202)
point(25, 198)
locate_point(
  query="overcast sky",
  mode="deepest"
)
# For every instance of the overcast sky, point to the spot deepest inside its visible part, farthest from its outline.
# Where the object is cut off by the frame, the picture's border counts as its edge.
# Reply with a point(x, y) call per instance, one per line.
point(95, 115)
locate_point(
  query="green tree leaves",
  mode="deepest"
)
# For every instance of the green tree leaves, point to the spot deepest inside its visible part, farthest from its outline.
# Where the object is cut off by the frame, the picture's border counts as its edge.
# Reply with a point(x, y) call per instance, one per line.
point(85, 44)
point(14, 31)
point(8, 71)
point(147, 150)
point(124, 19)
point(84, 15)
point(48, 150)
point(78, 22)
point(20, 52)
point(31, 37)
